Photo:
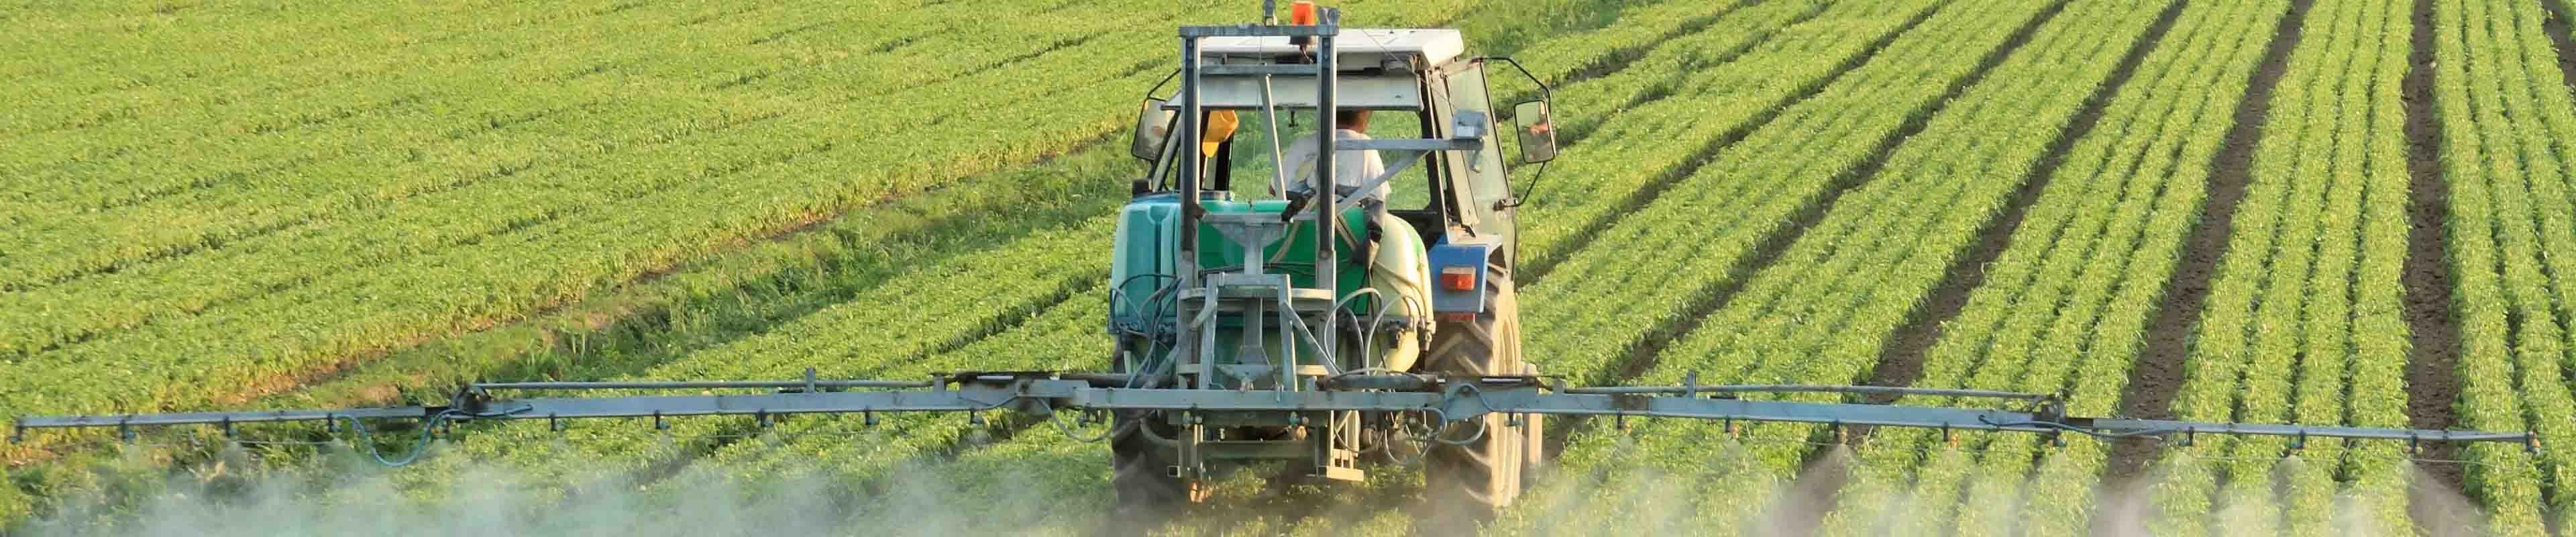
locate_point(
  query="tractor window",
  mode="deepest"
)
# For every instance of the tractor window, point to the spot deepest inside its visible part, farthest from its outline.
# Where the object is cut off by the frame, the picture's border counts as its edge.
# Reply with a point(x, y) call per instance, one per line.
point(1250, 166)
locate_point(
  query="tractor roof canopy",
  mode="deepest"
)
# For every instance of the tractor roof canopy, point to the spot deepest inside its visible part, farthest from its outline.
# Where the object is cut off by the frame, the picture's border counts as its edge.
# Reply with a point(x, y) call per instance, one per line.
point(1361, 48)
point(1364, 82)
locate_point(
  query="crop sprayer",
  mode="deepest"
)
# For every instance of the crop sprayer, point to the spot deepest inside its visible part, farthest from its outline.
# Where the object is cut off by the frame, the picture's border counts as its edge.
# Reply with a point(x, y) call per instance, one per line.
point(1270, 306)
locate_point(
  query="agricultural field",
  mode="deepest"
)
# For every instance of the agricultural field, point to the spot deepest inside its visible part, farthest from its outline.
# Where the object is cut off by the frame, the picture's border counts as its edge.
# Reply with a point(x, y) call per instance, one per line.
point(2317, 212)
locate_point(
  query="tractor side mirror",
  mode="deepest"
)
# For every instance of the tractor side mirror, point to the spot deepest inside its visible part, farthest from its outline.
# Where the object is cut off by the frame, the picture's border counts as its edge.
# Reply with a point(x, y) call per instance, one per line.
point(1537, 131)
point(1153, 129)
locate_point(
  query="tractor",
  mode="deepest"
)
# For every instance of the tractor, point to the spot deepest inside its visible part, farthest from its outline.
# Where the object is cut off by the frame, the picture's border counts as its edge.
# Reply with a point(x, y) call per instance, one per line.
point(1314, 277)
point(1224, 276)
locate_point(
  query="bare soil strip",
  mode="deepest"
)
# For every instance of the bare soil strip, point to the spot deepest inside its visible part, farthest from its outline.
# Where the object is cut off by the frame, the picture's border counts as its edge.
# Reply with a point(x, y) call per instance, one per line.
point(2433, 351)
point(1900, 360)
point(2555, 25)
point(2157, 374)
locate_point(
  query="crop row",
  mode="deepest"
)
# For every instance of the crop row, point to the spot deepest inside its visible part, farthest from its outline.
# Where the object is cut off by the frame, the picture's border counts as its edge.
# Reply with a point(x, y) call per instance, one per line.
point(124, 65)
point(2302, 322)
point(1653, 74)
point(943, 306)
point(473, 213)
point(261, 184)
point(1637, 30)
point(747, 291)
point(309, 323)
point(1067, 336)
point(178, 81)
point(1717, 86)
point(1870, 106)
point(2063, 305)
point(1818, 314)
point(1599, 305)
point(2506, 126)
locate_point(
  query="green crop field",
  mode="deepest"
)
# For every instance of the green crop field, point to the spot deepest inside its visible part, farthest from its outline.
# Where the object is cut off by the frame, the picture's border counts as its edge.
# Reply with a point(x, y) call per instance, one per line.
point(2327, 212)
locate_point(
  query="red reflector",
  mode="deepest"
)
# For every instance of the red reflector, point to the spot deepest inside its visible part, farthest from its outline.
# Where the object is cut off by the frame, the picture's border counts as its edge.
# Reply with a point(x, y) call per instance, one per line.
point(1458, 278)
point(1458, 316)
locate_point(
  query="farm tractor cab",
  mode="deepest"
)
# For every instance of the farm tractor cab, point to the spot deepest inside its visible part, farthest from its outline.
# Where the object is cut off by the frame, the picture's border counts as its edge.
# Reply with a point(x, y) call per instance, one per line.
point(1314, 278)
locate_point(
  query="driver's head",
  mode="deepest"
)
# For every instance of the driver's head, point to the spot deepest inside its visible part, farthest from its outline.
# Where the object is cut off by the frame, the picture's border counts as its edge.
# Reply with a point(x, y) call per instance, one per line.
point(1351, 119)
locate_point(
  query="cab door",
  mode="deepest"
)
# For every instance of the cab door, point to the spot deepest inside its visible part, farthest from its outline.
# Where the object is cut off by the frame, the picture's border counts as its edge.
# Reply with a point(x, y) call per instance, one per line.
point(1479, 183)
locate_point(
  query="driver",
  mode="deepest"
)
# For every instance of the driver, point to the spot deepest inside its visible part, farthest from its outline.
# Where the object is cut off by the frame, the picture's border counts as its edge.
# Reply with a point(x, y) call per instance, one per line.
point(1351, 168)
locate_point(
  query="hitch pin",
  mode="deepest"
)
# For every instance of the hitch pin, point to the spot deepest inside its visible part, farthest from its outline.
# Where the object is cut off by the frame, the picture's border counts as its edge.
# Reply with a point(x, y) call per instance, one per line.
point(125, 429)
point(658, 424)
point(229, 432)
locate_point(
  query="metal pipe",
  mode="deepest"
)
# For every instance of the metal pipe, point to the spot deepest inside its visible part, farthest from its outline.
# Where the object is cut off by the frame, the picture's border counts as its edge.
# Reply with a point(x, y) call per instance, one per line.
point(702, 384)
point(1185, 254)
point(1794, 388)
point(1327, 222)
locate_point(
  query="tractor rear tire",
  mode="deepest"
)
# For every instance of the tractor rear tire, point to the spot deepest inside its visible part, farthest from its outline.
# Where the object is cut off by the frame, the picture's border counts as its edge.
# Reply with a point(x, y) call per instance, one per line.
point(1467, 485)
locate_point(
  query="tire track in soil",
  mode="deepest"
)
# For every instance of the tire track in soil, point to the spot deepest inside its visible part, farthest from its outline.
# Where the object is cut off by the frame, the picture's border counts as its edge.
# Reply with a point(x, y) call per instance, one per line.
point(2156, 377)
point(1656, 187)
point(1900, 360)
point(2433, 346)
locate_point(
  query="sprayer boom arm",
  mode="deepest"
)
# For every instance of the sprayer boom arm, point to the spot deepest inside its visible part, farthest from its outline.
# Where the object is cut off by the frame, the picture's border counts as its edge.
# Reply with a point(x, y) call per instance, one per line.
point(1441, 399)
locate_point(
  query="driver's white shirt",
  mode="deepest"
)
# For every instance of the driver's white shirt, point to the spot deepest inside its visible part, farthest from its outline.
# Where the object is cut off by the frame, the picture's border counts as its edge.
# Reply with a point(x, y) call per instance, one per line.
point(1351, 169)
